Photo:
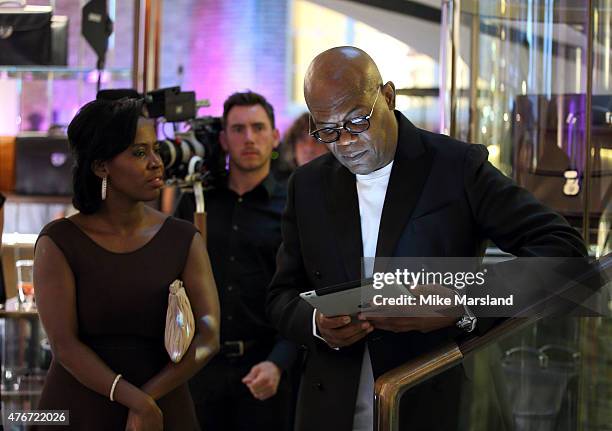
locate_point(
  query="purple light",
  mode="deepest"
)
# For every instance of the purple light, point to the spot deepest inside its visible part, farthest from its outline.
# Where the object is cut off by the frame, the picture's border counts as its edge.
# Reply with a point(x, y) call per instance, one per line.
point(92, 77)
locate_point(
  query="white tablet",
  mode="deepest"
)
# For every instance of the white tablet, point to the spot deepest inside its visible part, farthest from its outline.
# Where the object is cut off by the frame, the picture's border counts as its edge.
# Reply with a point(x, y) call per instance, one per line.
point(348, 298)
point(338, 300)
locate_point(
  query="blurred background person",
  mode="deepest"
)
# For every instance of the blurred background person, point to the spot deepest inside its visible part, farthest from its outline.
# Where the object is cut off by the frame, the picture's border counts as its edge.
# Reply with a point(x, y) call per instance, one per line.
point(247, 386)
point(304, 146)
point(298, 147)
point(102, 279)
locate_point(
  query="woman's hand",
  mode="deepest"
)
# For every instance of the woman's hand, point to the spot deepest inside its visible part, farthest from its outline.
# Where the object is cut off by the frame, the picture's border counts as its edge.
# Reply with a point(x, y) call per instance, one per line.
point(146, 416)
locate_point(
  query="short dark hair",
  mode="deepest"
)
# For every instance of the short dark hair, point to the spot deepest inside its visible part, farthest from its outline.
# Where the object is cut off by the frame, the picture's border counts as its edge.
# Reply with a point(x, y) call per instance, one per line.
point(99, 131)
point(297, 130)
point(247, 98)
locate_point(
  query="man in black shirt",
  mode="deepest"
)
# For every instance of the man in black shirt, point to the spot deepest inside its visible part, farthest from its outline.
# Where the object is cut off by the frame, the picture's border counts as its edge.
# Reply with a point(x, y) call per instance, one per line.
point(244, 387)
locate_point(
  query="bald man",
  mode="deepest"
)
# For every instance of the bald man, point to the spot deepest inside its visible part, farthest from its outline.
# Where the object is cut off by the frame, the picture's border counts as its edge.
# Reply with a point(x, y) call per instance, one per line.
point(388, 189)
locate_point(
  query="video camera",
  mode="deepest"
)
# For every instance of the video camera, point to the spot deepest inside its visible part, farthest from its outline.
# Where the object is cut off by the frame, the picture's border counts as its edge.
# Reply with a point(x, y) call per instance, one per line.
point(193, 154)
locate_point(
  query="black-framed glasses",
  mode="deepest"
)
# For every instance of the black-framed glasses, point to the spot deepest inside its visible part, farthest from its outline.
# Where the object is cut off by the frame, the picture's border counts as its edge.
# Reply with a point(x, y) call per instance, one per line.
point(356, 125)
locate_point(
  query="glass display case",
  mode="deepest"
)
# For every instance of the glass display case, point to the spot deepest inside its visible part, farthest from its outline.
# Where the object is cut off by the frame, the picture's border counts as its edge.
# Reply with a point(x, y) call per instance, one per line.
point(42, 100)
point(531, 80)
point(37, 97)
point(26, 356)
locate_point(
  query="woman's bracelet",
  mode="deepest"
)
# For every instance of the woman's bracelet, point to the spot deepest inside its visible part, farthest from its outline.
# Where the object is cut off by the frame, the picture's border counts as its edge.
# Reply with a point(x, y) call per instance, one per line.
point(112, 391)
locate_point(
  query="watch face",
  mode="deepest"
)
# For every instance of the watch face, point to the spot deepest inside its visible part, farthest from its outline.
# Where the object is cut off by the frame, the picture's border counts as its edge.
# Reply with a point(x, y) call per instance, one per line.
point(467, 323)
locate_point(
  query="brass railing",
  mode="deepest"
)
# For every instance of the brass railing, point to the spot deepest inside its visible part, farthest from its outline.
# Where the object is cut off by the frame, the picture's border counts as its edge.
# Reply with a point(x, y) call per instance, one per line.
point(390, 387)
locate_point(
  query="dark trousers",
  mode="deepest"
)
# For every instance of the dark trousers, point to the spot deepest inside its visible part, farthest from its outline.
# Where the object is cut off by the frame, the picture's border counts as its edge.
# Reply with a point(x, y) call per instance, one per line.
point(224, 403)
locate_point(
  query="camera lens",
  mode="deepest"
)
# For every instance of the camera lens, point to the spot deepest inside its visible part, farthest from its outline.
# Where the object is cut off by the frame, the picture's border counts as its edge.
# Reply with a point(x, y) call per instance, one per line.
point(167, 152)
point(176, 154)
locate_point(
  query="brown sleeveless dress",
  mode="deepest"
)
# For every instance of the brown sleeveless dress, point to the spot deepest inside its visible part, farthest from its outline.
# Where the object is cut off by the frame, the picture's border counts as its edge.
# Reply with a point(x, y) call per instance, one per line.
point(121, 308)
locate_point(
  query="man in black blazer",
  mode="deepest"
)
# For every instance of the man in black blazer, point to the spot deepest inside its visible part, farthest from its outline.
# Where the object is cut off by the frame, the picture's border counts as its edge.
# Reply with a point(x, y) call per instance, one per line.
point(440, 198)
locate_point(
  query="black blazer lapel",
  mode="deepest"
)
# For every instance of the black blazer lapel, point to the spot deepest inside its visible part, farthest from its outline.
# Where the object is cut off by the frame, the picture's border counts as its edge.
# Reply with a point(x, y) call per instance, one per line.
point(411, 168)
point(341, 196)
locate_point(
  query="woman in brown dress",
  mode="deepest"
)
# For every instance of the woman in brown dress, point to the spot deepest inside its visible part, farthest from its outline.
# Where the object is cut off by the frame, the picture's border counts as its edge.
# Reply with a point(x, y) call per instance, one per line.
point(102, 279)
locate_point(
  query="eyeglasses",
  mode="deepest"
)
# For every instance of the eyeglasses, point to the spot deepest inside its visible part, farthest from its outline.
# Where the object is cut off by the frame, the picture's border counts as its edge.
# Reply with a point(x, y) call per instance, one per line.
point(354, 126)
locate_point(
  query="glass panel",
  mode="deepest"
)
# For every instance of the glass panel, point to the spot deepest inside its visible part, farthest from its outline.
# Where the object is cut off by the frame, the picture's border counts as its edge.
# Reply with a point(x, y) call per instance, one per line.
point(520, 75)
point(596, 344)
point(47, 96)
point(601, 129)
point(529, 74)
point(26, 356)
point(531, 380)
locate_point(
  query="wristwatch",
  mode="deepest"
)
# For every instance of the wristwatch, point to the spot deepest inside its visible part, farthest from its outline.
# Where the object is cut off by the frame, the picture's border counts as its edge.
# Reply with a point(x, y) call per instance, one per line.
point(467, 322)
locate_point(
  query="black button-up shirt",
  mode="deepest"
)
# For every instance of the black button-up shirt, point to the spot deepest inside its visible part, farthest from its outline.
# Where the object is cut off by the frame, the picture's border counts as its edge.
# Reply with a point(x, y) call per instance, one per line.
point(243, 236)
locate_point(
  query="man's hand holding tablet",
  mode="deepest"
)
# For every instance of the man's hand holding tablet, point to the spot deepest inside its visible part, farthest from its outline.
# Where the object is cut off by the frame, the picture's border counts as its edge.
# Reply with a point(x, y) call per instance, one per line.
point(341, 331)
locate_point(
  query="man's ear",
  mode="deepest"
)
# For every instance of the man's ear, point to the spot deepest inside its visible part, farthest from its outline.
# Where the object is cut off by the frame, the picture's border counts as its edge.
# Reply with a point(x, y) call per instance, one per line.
point(99, 168)
point(223, 140)
point(389, 93)
point(276, 136)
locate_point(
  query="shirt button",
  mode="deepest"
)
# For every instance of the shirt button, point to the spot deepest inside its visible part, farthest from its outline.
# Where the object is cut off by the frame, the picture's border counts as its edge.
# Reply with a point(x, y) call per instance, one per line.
point(317, 274)
point(232, 258)
point(235, 227)
point(230, 288)
point(240, 200)
point(230, 317)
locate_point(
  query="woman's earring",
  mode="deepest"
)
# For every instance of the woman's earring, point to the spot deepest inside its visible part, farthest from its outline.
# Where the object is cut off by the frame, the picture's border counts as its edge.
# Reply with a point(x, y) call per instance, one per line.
point(104, 183)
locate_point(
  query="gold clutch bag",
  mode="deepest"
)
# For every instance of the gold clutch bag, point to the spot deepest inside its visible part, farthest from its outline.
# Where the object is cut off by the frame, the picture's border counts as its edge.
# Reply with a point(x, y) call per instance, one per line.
point(180, 325)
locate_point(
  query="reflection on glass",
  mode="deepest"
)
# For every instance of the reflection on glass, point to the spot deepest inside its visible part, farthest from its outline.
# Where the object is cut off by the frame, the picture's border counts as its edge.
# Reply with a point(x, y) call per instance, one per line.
point(25, 284)
point(40, 98)
point(531, 80)
point(526, 99)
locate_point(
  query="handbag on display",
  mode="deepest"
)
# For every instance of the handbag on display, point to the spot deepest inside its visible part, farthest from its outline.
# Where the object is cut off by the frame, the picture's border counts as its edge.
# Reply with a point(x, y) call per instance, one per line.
point(43, 164)
point(549, 142)
point(31, 35)
point(180, 324)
